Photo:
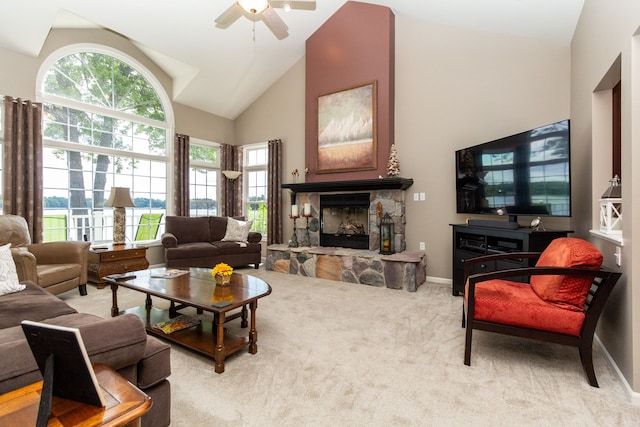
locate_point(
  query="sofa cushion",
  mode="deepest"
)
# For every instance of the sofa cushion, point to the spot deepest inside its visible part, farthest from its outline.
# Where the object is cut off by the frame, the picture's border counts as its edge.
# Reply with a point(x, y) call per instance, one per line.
point(8, 276)
point(237, 248)
point(237, 231)
point(217, 228)
point(155, 365)
point(34, 303)
point(117, 342)
point(51, 274)
point(515, 303)
point(193, 250)
point(188, 229)
point(568, 292)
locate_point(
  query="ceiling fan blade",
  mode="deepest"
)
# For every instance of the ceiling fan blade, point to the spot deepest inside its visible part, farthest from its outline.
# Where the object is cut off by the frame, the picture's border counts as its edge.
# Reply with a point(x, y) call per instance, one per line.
point(299, 4)
point(275, 23)
point(229, 16)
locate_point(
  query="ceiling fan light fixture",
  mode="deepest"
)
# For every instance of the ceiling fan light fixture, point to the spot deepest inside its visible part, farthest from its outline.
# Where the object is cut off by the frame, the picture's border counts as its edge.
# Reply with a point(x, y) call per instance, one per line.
point(286, 6)
point(254, 6)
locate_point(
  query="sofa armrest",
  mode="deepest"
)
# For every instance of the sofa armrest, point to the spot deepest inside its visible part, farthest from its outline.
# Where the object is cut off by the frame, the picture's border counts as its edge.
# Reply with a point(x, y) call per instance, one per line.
point(169, 240)
point(254, 237)
point(25, 264)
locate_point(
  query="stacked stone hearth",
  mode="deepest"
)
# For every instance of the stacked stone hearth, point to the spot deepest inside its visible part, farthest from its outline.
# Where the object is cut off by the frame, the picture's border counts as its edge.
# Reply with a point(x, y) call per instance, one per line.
point(402, 270)
point(405, 270)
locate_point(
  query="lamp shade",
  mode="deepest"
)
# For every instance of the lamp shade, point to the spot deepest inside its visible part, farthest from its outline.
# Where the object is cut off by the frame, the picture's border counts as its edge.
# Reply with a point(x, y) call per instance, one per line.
point(119, 198)
point(232, 175)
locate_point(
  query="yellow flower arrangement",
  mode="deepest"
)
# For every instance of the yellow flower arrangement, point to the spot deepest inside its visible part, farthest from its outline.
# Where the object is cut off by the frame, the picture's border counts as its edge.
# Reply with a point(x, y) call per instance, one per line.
point(222, 269)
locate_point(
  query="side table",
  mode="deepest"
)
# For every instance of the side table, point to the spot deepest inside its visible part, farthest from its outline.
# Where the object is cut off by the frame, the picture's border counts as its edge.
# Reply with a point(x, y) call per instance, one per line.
point(115, 259)
point(125, 404)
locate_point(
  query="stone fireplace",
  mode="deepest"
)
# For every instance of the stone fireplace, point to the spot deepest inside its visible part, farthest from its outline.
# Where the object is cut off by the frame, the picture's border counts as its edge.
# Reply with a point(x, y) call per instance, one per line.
point(344, 213)
point(341, 236)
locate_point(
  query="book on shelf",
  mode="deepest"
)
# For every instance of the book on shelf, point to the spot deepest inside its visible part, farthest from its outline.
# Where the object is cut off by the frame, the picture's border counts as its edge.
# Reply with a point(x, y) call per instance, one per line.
point(177, 324)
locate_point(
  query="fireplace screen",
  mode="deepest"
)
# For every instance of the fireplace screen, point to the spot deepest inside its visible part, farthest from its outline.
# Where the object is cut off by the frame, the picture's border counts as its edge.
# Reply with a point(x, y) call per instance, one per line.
point(344, 220)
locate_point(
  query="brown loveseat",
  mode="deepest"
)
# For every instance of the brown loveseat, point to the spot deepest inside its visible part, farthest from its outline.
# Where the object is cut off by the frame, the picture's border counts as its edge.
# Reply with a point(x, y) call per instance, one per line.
point(120, 342)
point(198, 242)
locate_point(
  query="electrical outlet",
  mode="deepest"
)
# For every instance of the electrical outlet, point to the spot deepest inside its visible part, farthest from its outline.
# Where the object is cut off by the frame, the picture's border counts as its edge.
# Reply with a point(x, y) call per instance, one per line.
point(618, 255)
point(415, 197)
point(422, 246)
point(422, 197)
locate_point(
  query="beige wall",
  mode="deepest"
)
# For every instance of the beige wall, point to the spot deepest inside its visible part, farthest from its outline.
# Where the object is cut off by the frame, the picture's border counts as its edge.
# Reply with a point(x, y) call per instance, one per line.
point(604, 33)
point(19, 80)
point(475, 87)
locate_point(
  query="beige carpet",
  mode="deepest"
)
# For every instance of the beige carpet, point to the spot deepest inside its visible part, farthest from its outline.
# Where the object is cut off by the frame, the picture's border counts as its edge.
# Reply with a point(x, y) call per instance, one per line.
point(339, 354)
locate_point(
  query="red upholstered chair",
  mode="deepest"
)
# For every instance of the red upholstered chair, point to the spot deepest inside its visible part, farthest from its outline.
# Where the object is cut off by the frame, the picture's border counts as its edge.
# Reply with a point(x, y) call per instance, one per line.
point(561, 303)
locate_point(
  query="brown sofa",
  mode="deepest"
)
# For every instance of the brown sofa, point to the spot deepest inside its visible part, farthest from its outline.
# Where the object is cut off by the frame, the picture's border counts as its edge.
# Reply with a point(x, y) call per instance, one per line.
point(120, 342)
point(55, 266)
point(197, 242)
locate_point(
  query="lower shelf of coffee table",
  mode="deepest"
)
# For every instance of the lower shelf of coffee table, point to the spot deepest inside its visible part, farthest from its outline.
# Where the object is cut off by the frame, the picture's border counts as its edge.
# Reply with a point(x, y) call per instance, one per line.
point(200, 338)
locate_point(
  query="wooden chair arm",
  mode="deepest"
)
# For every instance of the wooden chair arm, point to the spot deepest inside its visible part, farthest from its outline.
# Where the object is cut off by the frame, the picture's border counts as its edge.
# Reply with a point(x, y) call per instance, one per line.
point(470, 262)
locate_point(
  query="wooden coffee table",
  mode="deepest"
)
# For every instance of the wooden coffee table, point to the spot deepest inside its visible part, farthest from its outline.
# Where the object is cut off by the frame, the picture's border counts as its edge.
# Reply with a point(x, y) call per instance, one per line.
point(198, 289)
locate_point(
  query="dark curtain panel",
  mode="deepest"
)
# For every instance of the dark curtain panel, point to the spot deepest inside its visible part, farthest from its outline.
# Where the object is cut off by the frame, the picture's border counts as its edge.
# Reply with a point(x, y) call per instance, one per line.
point(238, 161)
point(22, 171)
point(181, 175)
point(274, 193)
point(226, 163)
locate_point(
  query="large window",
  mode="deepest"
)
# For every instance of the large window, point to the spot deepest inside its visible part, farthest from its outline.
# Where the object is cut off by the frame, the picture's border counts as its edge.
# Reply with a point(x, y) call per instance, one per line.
point(204, 176)
point(105, 126)
point(255, 182)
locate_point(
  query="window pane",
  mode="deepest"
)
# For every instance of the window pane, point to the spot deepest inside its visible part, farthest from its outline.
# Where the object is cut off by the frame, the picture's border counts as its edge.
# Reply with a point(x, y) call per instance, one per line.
point(203, 190)
point(104, 81)
point(79, 191)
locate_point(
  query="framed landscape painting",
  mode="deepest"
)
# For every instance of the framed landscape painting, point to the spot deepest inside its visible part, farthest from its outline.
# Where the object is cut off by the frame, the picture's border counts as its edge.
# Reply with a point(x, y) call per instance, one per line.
point(347, 129)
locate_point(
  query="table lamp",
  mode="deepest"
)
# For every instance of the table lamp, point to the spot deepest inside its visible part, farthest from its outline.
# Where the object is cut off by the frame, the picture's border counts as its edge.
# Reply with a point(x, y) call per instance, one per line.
point(119, 199)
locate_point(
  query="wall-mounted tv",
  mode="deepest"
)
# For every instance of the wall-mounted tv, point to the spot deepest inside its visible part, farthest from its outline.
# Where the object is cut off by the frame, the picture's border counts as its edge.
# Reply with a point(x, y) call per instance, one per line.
point(523, 174)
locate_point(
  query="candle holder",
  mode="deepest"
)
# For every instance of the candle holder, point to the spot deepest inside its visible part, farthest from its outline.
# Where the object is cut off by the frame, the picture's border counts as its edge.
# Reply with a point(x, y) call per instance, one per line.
point(307, 237)
point(293, 243)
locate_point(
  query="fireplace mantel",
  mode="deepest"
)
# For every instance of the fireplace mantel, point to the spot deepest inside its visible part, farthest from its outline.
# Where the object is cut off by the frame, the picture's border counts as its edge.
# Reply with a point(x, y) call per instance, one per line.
point(356, 185)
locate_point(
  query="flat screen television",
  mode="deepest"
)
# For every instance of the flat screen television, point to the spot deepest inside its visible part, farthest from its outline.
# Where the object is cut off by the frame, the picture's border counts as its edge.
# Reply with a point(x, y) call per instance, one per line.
point(523, 174)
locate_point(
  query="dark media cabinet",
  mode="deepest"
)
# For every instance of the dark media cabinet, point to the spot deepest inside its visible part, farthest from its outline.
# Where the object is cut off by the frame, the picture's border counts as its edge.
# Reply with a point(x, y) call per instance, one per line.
point(472, 241)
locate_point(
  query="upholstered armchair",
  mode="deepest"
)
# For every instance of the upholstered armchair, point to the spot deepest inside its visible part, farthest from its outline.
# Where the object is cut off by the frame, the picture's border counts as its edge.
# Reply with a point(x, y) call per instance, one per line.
point(561, 303)
point(55, 266)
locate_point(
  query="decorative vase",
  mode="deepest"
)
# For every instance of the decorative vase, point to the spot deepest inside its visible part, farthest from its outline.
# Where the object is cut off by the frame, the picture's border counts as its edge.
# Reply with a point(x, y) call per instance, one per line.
point(222, 280)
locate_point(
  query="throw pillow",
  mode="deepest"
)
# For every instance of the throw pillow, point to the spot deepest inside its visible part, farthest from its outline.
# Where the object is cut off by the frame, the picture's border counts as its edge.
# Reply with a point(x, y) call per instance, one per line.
point(8, 276)
point(568, 292)
point(237, 231)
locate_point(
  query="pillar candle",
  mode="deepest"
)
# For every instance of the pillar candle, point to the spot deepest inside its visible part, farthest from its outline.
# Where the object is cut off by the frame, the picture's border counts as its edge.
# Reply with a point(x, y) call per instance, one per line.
point(294, 210)
point(307, 209)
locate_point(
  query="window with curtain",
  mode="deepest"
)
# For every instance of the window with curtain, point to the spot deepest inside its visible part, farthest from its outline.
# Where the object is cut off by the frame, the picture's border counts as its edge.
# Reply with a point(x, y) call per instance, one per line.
point(256, 162)
point(105, 125)
point(204, 178)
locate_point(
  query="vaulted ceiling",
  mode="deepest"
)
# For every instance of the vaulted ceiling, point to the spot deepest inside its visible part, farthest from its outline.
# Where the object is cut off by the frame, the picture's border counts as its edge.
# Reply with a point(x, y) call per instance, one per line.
point(222, 71)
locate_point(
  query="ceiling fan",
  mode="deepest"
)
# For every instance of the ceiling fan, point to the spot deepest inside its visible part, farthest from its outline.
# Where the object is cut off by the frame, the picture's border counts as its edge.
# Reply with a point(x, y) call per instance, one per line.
point(263, 9)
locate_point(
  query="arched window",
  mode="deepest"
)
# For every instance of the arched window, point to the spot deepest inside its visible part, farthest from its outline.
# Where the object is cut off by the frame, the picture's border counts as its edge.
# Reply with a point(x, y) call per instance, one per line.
point(107, 123)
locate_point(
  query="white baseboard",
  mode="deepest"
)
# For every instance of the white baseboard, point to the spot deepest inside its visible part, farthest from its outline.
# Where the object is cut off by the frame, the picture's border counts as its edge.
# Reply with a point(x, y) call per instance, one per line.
point(439, 280)
point(634, 396)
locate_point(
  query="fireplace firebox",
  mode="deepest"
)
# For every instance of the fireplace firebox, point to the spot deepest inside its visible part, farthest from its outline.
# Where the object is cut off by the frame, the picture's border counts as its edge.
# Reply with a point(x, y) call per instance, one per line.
point(344, 220)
